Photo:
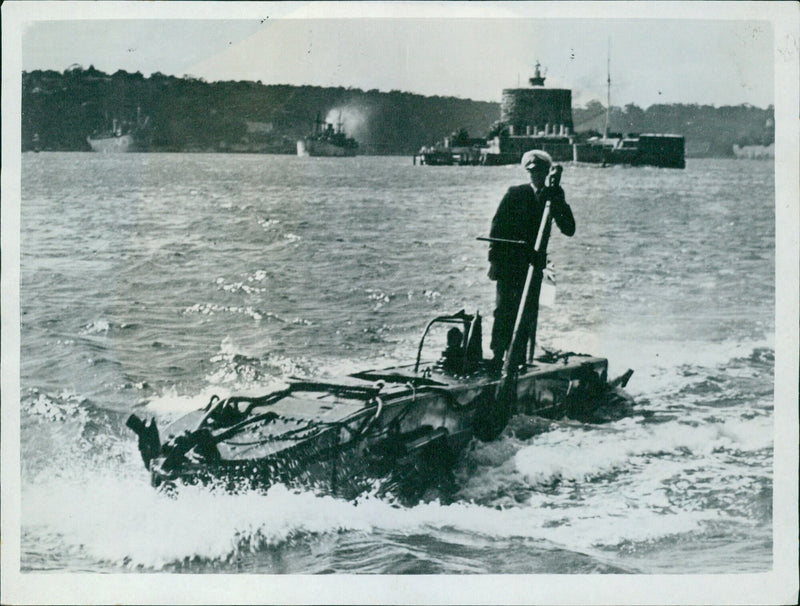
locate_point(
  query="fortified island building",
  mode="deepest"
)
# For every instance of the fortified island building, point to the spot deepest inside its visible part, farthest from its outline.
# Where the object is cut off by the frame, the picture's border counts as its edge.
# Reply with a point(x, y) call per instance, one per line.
point(536, 118)
point(541, 118)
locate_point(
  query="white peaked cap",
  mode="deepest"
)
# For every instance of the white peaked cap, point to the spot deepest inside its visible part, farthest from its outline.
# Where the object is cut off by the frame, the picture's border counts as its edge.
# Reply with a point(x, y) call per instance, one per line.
point(529, 157)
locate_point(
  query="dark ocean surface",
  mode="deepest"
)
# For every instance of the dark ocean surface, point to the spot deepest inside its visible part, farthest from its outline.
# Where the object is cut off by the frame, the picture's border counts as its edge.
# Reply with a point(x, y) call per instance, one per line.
point(151, 281)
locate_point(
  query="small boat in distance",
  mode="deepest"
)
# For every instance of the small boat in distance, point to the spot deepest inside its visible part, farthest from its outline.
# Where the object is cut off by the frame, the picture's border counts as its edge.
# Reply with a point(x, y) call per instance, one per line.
point(325, 141)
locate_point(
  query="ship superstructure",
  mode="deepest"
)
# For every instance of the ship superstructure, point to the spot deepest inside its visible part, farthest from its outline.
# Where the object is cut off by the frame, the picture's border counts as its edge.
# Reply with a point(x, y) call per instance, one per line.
point(325, 140)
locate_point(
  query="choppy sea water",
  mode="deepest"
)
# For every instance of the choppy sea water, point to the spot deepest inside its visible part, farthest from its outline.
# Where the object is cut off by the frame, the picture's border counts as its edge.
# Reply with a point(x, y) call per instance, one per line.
point(151, 281)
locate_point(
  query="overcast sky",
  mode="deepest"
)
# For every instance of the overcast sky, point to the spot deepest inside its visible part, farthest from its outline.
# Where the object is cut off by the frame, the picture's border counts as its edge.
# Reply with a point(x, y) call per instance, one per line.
point(720, 62)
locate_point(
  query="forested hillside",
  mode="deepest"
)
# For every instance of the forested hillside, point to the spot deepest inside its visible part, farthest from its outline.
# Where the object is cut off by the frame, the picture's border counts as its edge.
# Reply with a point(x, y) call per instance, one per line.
point(59, 110)
point(192, 115)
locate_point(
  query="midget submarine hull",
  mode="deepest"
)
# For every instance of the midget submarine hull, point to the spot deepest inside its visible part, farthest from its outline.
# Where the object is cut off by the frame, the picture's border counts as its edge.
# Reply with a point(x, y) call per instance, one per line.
point(399, 426)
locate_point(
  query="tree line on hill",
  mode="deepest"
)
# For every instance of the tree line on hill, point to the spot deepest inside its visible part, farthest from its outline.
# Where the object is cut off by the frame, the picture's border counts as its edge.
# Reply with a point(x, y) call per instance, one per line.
point(59, 111)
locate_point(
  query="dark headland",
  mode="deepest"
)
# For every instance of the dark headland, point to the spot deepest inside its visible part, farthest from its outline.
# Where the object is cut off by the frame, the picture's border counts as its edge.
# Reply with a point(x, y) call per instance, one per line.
point(61, 109)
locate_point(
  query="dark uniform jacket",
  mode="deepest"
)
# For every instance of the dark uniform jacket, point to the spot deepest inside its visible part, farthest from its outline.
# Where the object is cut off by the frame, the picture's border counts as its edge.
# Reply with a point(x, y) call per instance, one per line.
point(518, 218)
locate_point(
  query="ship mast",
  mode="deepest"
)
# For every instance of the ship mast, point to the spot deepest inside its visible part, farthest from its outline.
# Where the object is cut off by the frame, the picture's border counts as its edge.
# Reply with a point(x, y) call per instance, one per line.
point(608, 91)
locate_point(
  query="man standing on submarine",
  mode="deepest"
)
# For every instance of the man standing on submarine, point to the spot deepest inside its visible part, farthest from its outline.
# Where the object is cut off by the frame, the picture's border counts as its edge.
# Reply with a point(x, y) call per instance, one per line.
point(518, 218)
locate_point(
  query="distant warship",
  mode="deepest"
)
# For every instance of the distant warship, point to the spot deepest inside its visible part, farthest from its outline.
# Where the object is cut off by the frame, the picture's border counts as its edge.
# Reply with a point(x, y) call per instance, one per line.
point(325, 141)
point(122, 136)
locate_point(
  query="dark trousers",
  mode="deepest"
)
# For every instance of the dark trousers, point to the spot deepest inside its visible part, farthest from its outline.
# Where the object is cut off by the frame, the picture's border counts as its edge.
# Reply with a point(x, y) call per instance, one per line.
point(509, 293)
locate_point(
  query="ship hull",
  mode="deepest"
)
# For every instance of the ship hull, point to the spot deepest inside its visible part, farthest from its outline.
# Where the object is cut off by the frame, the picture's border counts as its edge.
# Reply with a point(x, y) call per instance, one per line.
point(113, 145)
point(589, 153)
point(663, 151)
point(313, 147)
